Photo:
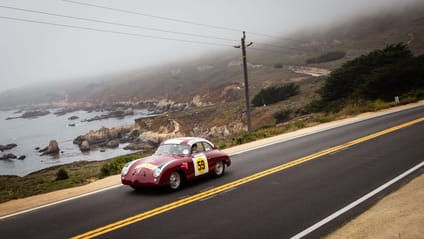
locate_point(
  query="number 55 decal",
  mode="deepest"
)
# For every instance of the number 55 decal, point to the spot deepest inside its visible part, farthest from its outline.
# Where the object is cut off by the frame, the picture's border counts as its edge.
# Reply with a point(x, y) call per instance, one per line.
point(200, 164)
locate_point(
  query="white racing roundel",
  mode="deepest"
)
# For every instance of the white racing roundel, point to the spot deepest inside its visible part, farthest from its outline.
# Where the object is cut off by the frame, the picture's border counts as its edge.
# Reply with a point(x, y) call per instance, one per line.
point(200, 163)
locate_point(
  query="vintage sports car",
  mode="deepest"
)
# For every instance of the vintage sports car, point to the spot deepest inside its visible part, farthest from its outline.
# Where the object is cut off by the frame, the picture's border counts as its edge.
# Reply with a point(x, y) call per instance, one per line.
point(176, 161)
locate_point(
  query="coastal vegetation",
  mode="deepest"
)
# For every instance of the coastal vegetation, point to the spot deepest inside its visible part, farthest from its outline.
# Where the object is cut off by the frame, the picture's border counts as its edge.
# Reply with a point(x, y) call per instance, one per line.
point(380, 75)
point(60, 177)
point(275, 94)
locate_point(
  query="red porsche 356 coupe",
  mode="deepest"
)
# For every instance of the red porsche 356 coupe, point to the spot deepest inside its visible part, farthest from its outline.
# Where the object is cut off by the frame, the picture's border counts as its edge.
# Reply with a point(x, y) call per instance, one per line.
point(176, 161)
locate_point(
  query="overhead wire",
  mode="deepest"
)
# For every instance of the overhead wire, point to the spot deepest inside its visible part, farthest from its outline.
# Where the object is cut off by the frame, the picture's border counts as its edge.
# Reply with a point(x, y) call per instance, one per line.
point(116, 23)
point(112, 31)
point(171, 19)
point(281, 48)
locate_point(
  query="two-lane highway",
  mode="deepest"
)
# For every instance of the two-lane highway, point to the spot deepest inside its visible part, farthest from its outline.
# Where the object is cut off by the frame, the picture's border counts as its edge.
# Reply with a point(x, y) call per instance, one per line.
point(275, 204)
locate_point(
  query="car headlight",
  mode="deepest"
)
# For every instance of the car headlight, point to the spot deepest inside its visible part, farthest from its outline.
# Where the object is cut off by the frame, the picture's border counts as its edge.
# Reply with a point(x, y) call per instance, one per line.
point(125, 169)
point(156, 172)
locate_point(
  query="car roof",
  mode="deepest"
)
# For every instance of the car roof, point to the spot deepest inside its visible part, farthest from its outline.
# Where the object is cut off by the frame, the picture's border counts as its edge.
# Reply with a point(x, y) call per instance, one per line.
point(186, 140)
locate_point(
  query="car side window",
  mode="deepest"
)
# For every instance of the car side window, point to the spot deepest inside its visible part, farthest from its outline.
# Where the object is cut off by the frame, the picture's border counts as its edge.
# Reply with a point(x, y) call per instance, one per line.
point(197, 148)
point(207, 146)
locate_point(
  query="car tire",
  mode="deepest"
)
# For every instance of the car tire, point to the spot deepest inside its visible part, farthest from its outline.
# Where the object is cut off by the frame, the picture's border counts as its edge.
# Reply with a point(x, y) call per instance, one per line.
point(136, 188)
point(175, 181)
point(219, 169)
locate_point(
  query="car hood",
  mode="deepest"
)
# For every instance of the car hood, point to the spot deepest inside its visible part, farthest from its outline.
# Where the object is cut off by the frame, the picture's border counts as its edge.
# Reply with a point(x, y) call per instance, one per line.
point(156, 160)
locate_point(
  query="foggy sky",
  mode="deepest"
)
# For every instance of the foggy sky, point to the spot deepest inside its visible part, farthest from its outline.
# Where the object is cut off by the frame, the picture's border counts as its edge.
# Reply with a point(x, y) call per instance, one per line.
point(33, 52)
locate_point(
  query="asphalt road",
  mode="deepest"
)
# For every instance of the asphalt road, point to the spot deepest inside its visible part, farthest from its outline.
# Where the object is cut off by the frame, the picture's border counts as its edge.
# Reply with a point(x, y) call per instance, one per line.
point(279, 205)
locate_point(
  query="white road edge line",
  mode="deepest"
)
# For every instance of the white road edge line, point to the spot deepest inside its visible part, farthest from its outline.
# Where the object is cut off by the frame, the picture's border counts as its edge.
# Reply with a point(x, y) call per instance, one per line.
point(356, 203)
point(325, 127)
point(58, 202)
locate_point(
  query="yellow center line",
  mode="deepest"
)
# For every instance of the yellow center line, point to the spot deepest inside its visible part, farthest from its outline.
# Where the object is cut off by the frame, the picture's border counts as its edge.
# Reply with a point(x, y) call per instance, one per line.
point(159, 210)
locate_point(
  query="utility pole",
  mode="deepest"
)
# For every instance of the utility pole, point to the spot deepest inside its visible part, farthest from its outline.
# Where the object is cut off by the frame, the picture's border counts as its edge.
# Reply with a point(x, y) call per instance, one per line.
point(246, 82)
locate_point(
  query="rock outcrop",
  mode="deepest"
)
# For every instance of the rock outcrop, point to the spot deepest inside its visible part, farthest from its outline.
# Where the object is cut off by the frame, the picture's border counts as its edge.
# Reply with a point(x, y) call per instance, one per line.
point(84, 146)
point(7, 156)
point(105, 137)
point(118, 113)
point(52, 148)
point(31, 114)
point(7, 147)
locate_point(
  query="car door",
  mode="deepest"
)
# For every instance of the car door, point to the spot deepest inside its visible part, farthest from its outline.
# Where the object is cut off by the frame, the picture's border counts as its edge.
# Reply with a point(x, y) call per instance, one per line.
point(199, 159)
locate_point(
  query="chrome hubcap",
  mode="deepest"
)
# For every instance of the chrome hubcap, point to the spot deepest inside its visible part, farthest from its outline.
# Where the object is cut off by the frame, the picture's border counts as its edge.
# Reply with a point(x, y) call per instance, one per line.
point(174, 180)
point(219, 168)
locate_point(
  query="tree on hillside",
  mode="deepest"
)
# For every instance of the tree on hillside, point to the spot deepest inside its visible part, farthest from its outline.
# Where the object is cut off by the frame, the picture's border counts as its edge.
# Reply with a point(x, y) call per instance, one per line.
point(275, 94)
point(381, 74)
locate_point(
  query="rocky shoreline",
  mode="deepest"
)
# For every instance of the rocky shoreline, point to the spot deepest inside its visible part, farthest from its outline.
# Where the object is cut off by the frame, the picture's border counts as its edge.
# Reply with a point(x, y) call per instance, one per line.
point(8, 156)
point(132, 138)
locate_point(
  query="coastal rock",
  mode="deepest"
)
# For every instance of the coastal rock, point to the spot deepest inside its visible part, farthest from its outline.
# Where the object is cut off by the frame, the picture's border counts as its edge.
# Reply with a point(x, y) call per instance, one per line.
point(34, 114)
point(118, 113)
point(7, 156)
point(113, 144)
point(78, 140)
point(132, 136)
point(84, 146)
point(73, 118)
point(7, 147)
point(100, 136)
point(105, 137)
point(151, 143)
point(134, 146)
point(67, 110)
point(52, 148)
point(31, 114)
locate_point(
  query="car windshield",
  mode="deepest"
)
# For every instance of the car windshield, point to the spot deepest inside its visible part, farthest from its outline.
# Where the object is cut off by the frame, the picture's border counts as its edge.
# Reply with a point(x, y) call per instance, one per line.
point(173, 149)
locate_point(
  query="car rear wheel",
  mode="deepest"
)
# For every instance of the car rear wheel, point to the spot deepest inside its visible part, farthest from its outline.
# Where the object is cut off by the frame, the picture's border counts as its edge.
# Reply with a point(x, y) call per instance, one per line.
point(175, 181)
point(219, 169)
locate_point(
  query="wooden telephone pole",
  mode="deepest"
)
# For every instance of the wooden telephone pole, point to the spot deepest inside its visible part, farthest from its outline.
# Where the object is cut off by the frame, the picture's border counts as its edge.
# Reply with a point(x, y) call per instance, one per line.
point(246, 81)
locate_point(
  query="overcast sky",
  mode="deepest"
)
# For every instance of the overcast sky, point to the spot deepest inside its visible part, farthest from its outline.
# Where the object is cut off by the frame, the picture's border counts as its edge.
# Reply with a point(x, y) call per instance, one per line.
point(36, 47)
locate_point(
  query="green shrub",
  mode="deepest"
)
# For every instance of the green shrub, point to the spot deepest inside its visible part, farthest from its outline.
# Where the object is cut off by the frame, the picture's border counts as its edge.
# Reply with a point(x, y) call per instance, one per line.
point(282, 116)
point(115, 165)
point(61, 174)
point(245, 138)
point(221, 145)
point(300, 124)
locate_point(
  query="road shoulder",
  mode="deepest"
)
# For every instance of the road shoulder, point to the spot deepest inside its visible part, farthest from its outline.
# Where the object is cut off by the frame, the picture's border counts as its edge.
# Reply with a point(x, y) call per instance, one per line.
point(398, 215)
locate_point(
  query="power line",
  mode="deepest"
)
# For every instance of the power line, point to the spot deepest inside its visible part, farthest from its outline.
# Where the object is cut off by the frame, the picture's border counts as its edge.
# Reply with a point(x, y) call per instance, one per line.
point(138, 27)
point(277, 46)
point(116, 23)
point(165, 18)
point(268, 50)
point(111, 31)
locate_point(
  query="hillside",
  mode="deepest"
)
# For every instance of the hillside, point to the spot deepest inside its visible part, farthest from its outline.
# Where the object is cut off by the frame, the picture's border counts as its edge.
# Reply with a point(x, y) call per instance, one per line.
point(218, 77)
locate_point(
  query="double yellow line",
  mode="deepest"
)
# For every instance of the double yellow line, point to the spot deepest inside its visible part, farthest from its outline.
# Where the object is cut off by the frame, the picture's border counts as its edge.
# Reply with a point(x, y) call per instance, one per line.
point(228, 186)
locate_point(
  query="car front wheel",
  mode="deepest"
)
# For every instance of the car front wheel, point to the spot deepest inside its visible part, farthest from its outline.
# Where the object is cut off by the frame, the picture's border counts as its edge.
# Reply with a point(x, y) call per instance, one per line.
point(175, 181)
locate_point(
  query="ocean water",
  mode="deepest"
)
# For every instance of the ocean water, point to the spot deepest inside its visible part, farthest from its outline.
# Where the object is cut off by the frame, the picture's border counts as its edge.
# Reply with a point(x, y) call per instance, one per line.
point(37, 132)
